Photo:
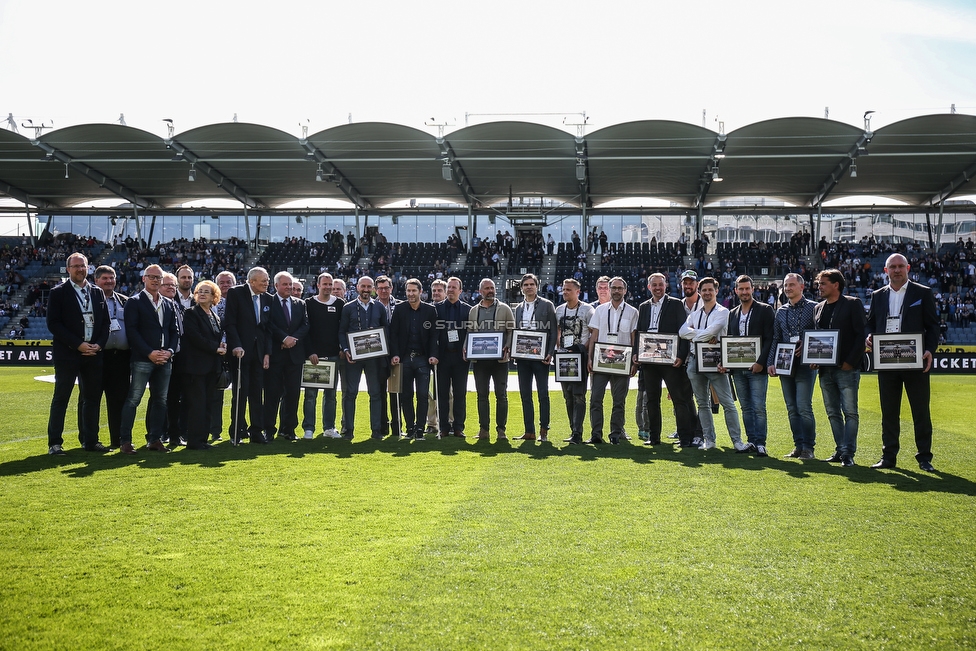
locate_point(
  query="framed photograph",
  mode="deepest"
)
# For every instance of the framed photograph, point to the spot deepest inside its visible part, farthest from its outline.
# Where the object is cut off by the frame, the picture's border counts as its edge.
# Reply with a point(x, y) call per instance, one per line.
point(529, 344)
point(569, 367)
point(656, 348)
point(612, 358)
point(366, 344)
point(895, 352)
point(740, 352)
point(709, 356)
point(319, 376)
point(785, 354)
point(485, 345)
point(820, 347)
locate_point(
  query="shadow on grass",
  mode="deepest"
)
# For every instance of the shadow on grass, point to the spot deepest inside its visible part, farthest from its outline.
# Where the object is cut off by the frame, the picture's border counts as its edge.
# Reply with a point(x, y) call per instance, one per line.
point(77, 463)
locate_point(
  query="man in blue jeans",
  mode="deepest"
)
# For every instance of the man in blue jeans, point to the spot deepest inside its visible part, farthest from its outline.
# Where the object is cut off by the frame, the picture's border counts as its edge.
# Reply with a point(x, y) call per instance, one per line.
point(839, 384)
point(150, 326)
point(752, 319)
point(792, 319)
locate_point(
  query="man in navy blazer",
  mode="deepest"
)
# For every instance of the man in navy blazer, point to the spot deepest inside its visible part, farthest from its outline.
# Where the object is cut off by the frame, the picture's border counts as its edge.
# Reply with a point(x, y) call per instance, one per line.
point(247, 321)
point(150, 327)
point(79, 321)
point(363, 314)
point(908, 307)
point(283, 379)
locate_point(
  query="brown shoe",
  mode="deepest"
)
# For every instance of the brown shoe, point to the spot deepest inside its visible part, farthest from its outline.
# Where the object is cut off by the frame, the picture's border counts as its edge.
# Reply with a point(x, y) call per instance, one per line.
point(126, 448)
point(528, 436)
point(482, 434)
point(501, 436)
point(157, 446)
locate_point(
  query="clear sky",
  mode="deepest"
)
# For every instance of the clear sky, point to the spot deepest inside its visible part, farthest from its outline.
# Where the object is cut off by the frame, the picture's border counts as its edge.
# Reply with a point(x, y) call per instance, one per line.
point(284, 63)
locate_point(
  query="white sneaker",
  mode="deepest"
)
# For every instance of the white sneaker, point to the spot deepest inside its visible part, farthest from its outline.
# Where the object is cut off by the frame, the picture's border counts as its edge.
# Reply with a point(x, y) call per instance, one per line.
point(309, 435)
point(331, 434)
point(741, 447)
point(707, 445)
point(673, 435)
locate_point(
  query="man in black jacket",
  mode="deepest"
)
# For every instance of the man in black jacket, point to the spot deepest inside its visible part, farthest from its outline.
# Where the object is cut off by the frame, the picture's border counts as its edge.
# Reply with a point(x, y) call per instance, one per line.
point(247, 322)
point(839, 384)
point(322, 345)
point(283, 379)
point(115, 367)
point(750, 318)
point(78, 319)
point(452, 368)
point(905, 307)
point(413, 345)
point(664, 314)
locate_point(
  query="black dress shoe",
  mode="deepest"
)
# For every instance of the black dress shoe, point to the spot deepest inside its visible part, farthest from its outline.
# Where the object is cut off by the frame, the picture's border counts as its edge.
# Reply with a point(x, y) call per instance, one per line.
point(926, 466)
point(593, 441)
point(884, 463)
point(259, 439)
point(847, 461)
point(614, 440)
point(834, 458)
point(98, 447)
point(288, 437)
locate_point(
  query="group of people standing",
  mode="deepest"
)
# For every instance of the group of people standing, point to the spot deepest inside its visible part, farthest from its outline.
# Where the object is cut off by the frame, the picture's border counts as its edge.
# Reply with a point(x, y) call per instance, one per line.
point(187, 343)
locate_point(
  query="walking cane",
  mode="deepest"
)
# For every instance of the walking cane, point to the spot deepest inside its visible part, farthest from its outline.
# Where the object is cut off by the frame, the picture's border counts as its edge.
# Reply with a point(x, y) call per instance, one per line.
point(237, 405)
point(437, 412)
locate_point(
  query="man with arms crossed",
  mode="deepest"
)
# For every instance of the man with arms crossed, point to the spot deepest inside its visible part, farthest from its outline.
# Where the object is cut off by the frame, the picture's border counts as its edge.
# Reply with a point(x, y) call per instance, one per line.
point(708, 324)
point(791, 320)
point(908, 307)
point(664, 314)
point(535, 314)
point(612, 323)
point(839, 384)
point(752, 319)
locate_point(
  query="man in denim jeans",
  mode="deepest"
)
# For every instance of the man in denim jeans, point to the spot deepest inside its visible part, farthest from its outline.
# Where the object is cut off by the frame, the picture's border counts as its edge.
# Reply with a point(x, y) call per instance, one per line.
point(839, 384)
point(791, 320)
point(751, 318)
point(150, 326)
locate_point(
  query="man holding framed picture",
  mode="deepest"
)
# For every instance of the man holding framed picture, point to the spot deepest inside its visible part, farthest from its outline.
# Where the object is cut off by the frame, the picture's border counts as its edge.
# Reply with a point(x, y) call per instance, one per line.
point(706, 325)
point(751, 318)
point(789, 323)
point(361, 315)
point(905, 307)
point(535, 314)
point(612, 323)
point(839, 384)
point(491, 315)
point(665, 315)
point(573, 332)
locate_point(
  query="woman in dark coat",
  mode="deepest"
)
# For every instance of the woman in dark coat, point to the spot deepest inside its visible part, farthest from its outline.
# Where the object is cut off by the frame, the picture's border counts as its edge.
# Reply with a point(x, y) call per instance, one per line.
point(202, 351)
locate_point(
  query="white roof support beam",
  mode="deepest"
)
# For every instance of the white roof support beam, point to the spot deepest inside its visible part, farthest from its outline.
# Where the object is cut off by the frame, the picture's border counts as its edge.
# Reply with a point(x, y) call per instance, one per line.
point(212, 173)
point(23, 197)
point(836, 174)
point(347, 188)
point(953, 186)
point(103, 181)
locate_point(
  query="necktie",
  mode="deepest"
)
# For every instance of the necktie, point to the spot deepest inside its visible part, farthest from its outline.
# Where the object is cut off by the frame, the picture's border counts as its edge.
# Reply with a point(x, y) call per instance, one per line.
point(284, 307)
point(257, 308)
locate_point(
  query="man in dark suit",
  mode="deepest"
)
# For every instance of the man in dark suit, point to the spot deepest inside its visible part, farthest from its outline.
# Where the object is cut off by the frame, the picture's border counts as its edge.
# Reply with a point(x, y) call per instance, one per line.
point(752, 318)
point(283, 379)
point(536, 314)
point(363, 314)
point(665, 315)
point(247, 322)
point(905, 306)
point(78, 319)
point(452, 368)
point(116, 356)
point(839, 384)
point(150, 327)
point(413, 346)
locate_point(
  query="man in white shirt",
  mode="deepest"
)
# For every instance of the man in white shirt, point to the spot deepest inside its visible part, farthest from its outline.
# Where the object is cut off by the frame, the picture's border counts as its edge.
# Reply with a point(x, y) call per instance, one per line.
point(612, 323)
point(707, 324)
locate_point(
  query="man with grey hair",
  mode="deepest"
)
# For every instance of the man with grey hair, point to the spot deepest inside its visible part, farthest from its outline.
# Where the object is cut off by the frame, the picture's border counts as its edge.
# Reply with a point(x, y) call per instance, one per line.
point(283, 379)
point(248, 326)
point(789, 324)
point(297, 288)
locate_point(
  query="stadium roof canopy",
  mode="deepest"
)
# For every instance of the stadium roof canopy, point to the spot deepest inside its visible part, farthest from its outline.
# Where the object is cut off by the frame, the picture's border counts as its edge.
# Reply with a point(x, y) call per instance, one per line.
point(920, 161)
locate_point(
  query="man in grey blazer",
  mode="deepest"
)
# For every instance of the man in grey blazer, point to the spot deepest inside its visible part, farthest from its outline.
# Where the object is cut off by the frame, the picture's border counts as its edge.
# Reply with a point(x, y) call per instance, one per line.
point(535, 314)
point(906, 307)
